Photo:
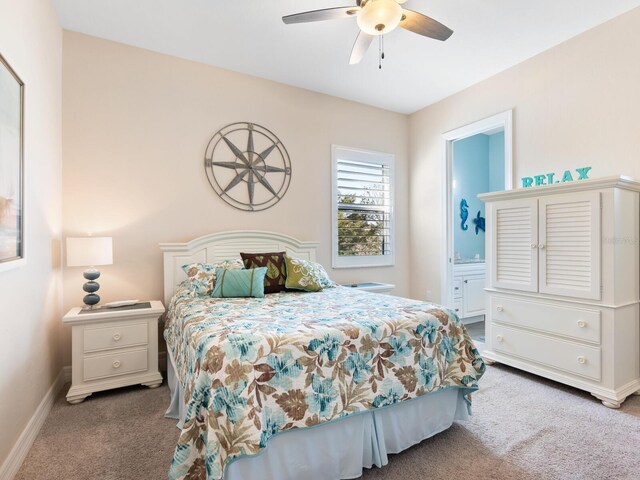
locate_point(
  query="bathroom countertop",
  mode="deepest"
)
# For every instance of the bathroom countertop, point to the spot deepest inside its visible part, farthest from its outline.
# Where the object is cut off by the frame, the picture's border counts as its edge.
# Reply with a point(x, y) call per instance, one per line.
point(464, 261)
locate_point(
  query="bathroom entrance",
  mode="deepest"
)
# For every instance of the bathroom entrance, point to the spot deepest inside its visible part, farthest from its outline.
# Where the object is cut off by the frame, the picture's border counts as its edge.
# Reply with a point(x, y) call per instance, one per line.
point(478, 160)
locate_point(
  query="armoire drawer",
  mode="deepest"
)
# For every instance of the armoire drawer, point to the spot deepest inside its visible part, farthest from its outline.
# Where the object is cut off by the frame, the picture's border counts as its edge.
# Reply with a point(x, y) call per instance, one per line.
point(579, 323)
point(577, 359)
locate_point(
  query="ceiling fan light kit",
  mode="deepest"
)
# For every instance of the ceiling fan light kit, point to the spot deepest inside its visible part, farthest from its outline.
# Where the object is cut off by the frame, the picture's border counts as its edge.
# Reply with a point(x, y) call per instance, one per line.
point(375, 18)
point(378, 17)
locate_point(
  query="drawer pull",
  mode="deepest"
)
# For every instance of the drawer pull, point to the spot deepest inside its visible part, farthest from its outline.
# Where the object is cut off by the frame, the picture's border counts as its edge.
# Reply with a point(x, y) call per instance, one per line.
point(582, 360)
point(500, 308)
point(117, 336)
point(500, 338)
point(582, 323)
point(116, 364)
point(456, 288)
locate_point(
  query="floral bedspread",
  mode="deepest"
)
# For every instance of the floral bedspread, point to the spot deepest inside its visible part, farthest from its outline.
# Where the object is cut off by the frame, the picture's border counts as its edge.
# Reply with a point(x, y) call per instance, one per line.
point(251, 368)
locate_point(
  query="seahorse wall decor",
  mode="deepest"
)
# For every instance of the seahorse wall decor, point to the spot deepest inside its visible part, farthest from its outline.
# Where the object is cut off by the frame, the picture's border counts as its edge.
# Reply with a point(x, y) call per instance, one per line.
point(479, 221)
point(464, 214)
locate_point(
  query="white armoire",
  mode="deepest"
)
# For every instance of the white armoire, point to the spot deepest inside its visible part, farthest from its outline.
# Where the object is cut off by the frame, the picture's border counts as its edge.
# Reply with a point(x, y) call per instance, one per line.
point(563, 284)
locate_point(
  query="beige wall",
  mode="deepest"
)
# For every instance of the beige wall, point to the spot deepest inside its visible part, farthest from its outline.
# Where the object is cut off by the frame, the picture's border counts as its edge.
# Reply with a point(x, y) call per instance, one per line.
point(575, 105)
point(30, 298)
point(135, 128)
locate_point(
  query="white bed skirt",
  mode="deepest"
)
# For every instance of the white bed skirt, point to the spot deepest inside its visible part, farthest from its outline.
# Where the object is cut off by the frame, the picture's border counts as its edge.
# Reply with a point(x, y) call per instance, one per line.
point(342, 448)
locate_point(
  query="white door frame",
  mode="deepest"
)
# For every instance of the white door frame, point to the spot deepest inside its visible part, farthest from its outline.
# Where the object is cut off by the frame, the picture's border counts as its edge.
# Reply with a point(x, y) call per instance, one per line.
point(502, 121)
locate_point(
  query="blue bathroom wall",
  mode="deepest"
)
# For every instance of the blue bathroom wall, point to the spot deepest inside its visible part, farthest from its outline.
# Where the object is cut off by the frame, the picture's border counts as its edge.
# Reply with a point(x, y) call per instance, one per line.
point(471, 177)
point(478, 167)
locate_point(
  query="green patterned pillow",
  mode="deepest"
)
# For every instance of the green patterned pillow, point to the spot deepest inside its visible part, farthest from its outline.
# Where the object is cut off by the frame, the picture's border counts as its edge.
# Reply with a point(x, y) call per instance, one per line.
point(201, 277)
point(305, 275)
point(276, 271)
point(239, 283)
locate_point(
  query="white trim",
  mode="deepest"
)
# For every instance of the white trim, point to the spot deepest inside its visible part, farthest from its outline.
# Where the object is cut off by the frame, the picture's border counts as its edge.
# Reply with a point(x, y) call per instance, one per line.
point(21, 448)
point(369, 156)
point(622, 182)
point(21, 262)
point(501, 121)
point(66, 373)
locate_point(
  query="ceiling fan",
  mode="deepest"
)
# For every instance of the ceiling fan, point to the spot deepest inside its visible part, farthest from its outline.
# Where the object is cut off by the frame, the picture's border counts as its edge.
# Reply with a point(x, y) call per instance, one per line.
point(375, 18)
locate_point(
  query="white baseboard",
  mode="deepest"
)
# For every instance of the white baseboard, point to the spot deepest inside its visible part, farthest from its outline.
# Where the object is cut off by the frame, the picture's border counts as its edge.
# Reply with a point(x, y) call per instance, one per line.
point(18, 453)
point(66, 373)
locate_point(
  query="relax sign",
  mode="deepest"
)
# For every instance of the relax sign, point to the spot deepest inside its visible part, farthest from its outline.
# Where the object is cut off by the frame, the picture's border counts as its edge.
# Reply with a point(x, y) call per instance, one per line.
point(549, 178)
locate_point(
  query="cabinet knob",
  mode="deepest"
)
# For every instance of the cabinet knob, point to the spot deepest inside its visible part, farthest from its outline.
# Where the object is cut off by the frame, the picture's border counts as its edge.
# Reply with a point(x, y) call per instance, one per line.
point(534, 245)
point(500, 338)
point(116, 364)
point(500, 308)
point(582, 360)
point(542, 246)
point(456, 288)
point(117, 336)
point(466, 281)
point(457, 309)
point(582, 323)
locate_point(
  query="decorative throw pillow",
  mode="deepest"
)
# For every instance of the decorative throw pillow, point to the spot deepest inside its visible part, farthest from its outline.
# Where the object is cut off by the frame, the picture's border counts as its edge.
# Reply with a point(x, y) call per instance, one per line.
point(325, 281)
point(239, 283)
point(201, 277)
point(276, 275)
point(305, 275)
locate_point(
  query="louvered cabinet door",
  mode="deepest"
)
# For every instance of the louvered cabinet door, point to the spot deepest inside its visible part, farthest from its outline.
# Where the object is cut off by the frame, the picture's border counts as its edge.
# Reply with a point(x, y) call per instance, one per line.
point(514, 228)
point(569, 245)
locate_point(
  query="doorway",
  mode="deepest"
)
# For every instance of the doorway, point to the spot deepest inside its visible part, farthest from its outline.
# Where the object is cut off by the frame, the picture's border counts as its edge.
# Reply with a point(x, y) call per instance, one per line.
point(477, 159)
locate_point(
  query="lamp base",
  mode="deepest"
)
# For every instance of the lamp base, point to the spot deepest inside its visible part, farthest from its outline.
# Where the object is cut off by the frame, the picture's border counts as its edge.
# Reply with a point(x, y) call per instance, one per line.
point(91, 287)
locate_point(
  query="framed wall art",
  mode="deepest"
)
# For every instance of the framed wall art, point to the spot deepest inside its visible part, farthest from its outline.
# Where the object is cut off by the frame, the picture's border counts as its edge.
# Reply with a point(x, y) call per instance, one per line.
point(11, 167)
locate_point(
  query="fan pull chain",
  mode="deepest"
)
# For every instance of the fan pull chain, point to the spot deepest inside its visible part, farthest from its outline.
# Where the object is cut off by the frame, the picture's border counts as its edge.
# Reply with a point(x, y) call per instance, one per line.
point(380, 51)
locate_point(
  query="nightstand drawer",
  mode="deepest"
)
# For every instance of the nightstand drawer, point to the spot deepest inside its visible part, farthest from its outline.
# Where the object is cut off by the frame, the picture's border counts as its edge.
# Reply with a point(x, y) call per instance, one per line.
point(114, 364)
point(98, 338)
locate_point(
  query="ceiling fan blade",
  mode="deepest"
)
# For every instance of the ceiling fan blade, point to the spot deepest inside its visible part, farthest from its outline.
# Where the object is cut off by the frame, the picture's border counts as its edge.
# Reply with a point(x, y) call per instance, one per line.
point(360, 47)
point(422, 25)
point(319, 15)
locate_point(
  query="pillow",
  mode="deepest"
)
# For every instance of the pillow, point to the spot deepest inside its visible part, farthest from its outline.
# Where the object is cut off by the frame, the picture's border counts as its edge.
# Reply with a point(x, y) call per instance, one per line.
point(276, 275)
point(239, 283)
point(306, 275)
point(201, 277)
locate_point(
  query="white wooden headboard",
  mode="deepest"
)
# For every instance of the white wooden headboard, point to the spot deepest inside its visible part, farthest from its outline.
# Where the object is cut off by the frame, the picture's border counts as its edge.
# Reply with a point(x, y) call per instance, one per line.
point(216, 247)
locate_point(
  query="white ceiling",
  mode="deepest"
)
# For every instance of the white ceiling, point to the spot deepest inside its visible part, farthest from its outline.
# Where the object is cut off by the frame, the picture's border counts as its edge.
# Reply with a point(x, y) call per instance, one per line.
point(248, 36)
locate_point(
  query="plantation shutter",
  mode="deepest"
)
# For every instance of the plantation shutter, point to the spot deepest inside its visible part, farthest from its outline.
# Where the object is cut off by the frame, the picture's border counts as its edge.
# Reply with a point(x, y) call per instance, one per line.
point(364, 208)
point(363, 201)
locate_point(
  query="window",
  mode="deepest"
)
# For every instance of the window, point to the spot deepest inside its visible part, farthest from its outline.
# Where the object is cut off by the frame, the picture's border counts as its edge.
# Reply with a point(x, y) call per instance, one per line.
point(362, 208)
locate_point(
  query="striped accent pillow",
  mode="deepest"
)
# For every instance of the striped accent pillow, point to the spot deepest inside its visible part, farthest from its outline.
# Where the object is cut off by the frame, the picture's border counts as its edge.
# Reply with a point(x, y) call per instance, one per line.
point(239, 283)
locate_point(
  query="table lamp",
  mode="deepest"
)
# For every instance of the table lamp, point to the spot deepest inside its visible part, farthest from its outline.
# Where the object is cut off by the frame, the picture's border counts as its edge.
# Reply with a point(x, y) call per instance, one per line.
point(90, 252)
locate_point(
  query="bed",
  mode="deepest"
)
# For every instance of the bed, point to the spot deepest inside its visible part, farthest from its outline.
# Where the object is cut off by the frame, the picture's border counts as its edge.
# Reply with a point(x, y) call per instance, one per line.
point(305, 385)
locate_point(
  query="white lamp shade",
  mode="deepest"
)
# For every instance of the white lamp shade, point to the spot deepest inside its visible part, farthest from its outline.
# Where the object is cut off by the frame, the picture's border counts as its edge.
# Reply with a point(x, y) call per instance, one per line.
point(89, 251)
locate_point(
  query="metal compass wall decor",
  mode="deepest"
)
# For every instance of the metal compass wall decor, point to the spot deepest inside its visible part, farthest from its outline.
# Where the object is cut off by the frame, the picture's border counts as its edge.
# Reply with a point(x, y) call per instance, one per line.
point(248, 166)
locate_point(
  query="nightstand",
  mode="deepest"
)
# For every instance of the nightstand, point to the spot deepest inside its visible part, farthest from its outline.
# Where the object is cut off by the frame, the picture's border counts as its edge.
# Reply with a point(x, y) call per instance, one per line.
point(372, 287)
point(113, 347)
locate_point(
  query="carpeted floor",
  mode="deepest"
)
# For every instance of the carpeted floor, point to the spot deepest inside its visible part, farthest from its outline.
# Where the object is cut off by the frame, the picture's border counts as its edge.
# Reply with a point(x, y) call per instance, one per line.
point(523, 427)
